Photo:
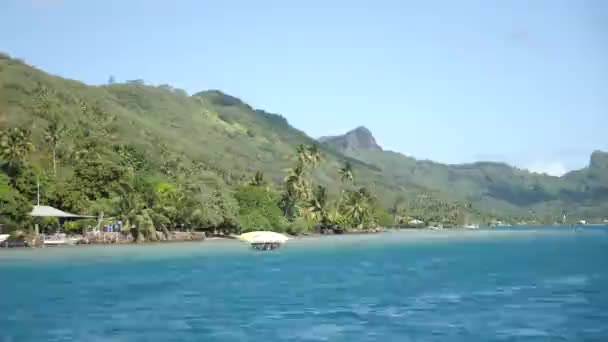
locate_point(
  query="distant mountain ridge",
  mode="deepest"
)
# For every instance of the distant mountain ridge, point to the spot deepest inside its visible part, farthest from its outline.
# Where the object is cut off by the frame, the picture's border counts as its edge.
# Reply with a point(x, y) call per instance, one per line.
point(488, 185)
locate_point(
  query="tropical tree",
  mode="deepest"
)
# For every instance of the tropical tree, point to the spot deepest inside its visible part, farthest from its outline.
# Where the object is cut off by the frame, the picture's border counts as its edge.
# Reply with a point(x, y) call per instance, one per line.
point(293, 191)
point(295, 181)
point(314, 155)
point(14, 207)
point(298, 186)
point(346, 172)
point(130, 207)
point(167, 201)
point(316, 209)
point(258, 179)
point(396, 208)
point(302, 154)
point(357, 207)
point(15, 144)
point(258, 209)
point(53, 135)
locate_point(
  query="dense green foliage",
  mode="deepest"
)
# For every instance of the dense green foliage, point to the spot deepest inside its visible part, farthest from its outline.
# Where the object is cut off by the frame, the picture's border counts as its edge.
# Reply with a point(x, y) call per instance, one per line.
point(258, 208)
point(162, 160)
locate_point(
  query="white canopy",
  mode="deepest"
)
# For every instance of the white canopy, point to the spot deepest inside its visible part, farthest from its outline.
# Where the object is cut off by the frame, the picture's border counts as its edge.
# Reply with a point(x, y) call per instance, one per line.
point(48, 211)
point(263, 237)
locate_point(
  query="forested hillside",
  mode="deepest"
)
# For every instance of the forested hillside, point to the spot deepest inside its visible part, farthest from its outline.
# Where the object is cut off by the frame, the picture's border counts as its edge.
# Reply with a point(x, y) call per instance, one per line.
point(159, 157)
point(492, 186)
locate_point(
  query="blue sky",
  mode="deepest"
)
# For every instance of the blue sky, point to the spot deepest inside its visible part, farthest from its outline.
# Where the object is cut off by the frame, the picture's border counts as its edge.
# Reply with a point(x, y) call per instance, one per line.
point(520, 81)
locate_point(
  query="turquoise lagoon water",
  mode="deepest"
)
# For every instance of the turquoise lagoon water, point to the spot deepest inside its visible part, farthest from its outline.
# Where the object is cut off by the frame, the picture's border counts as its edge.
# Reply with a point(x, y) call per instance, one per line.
point(537, 284)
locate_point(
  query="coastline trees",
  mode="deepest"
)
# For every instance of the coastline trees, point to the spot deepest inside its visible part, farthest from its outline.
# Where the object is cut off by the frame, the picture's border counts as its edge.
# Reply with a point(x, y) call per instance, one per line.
point(52, 136)
point(173, 193)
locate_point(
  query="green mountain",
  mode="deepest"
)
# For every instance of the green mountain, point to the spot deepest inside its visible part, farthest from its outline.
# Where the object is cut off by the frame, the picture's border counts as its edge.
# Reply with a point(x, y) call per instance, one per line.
point(488, 185)
point(215, 129)
point(161, 126)
point(160, 129)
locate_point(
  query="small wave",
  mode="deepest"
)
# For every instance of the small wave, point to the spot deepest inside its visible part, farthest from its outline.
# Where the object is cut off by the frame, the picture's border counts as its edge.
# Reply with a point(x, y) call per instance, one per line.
point(561, 299)
point(178, 325)
point(393, 312)
point(320, 332)
point(366, 264)
point(572, 280)
point(429, 301)
point(450, 298)
point(504, 290)
point(523, 332)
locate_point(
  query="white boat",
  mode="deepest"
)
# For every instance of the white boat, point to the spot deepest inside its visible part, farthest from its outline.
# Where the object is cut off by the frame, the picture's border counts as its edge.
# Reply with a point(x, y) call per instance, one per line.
point(59, 240)
point(54, 242)
point(3, 237)
point(471, 226)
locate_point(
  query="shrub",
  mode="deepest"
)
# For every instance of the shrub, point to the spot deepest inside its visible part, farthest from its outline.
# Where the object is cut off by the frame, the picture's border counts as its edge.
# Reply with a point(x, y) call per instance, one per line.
point(383, 218)
point(256, 201)
point(253, 221)
point(298, 227)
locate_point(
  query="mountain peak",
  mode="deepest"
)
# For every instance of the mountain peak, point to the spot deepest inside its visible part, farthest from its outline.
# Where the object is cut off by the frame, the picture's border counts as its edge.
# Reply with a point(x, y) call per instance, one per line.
point(599, 160)
point(360, 138)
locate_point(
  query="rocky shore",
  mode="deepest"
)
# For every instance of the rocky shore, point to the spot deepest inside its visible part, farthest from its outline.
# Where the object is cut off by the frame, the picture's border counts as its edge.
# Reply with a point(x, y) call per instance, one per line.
point(124, 238)
point(96, 238)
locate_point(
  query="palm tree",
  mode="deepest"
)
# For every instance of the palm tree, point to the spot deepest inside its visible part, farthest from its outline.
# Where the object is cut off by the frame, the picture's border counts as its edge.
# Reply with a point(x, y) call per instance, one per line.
point(15, 144)
point(302, 154)
point(287, 203)
point(54, 133)
point(296, 189)
point(258, 179)
point(314, 154)
point(356, 207)
point(132, 211)
point(296, 180)
point(396, 208)
point(316, 208)
point(346, 172)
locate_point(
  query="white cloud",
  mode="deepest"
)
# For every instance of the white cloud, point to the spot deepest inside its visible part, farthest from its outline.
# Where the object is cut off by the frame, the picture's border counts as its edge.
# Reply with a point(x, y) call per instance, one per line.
point(551, 168)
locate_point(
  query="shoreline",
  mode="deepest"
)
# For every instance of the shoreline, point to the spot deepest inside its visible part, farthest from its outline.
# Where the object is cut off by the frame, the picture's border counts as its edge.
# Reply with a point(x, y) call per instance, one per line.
point(420, 232)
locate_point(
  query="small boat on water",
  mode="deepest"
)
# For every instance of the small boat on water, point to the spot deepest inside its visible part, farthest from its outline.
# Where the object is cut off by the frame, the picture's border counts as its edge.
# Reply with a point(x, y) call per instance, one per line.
point(471, 226)
point(264, 240)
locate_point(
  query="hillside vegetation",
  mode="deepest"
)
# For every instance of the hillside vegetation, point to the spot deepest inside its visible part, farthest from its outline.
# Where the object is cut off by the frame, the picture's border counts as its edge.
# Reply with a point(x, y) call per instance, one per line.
point(161, 160)
point(495, 187)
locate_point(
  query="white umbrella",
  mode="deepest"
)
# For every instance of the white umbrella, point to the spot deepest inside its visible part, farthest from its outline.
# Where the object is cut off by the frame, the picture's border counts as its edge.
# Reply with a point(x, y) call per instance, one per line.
point(263, 237)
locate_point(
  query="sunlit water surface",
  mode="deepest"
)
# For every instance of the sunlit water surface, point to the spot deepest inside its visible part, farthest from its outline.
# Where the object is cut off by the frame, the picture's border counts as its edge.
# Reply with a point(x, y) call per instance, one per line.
point(539, 284)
